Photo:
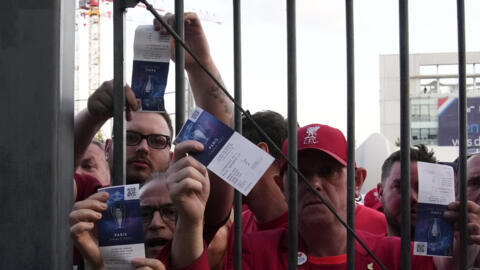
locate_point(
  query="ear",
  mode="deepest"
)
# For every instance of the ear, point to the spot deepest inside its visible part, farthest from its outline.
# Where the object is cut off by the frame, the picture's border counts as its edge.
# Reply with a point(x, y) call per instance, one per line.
point(360, 175)
point(380, 191)
point(108, 147)
point(263, 146)
point(279, 181)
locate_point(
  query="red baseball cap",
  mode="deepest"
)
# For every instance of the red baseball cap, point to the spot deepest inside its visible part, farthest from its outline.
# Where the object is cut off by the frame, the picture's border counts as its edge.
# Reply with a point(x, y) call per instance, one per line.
point(371, 200)
point(320, 137)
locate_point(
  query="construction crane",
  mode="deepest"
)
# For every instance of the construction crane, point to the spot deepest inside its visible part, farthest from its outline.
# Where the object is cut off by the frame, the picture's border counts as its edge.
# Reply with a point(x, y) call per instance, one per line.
point(90, 16)
point(94, 47)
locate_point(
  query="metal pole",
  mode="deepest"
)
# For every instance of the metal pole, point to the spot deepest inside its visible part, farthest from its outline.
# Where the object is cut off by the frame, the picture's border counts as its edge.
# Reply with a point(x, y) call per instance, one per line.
point(462, 112)
point(118, 174)
point(350, 134)
point(405, 134)
point(179, 69)
point(237, 55)
point(36, 149)
point(292, 136)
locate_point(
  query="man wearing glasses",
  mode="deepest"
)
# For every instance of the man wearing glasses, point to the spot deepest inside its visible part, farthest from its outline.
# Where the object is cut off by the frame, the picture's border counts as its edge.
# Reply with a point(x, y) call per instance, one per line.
point(146, 156)
point(148, 140)
point(158, 214)
point(149, 134)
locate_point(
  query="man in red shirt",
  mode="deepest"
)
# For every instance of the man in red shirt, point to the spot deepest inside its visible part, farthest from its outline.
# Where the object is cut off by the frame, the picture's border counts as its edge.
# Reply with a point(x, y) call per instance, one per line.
point(389, 188)
point(322, 239)
point(267, 207)
point(146, 154)
point(322, 159)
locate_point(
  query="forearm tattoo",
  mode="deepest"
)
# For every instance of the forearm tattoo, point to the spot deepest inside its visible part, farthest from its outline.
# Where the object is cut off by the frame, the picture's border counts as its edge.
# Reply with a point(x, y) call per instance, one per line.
point(218, 94)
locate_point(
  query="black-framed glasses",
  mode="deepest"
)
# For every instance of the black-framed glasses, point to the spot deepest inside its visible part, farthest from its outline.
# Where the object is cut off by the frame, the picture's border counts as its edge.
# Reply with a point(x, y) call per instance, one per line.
point(157, 141)
point(168, 212)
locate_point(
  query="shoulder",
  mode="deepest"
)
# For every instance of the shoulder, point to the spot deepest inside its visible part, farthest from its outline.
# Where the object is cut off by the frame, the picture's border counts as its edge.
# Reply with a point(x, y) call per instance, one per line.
point(277, 223)
point(370, 220)
point(260, 250)
point(362, 211)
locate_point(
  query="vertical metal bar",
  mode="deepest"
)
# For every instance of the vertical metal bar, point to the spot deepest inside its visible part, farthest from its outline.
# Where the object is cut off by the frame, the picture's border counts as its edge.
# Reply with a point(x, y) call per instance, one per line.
point(292, 136)
point(179, 69)
point(36, 149)
point(405, 134)
point(462, 112)
point(350, 133)
point(237, 62)
point(118, 177)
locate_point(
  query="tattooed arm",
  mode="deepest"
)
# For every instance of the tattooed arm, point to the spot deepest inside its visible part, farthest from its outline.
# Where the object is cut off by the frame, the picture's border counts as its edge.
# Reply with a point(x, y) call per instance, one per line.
point(207, 94)
point(209, 97)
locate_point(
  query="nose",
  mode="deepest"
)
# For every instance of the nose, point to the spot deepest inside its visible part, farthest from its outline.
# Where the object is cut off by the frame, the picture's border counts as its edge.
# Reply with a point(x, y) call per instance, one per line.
point(413, 196)
point(316, 181)
point(156, 222)
point(143, 146)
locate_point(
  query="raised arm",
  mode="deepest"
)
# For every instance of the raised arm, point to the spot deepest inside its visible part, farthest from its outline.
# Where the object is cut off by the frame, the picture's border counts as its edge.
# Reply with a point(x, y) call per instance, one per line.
point(209, 97)
point(189, 188)
point(207, 94)
point(99, 109)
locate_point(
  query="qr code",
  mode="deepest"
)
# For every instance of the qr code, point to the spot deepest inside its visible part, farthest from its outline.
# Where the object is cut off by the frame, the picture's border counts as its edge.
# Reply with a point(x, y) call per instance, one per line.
point(420, 248)
point(131, 192)
point(195, 114)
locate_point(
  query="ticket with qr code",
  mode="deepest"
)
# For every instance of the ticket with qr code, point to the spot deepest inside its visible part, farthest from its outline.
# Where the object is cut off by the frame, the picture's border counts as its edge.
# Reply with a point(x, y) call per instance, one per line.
point(433, 233)
point(120, 235)
point(151, 59)
point(226, 153)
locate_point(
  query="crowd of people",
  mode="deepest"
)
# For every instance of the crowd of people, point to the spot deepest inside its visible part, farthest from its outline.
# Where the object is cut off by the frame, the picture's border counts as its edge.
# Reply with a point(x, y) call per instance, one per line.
point(187, 210)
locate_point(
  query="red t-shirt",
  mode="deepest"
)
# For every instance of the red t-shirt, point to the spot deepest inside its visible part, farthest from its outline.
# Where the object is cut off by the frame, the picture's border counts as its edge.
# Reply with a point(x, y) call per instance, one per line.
point(366, 219)
point(269, 250)
point(250, 225)
point(370, 220)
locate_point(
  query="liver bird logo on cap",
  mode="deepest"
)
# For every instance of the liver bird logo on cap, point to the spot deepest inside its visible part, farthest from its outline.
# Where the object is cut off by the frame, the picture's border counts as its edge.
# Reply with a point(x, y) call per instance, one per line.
point(311, 135)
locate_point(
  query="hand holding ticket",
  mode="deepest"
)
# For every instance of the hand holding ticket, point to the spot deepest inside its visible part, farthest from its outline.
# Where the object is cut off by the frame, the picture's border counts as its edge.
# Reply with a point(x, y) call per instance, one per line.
point(230, 156)
point(150, 68)
point(120, 235)
point(433, 233)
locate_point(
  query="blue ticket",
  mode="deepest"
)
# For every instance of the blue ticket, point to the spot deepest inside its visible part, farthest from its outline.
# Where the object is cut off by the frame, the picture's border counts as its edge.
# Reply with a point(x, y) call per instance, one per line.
point(433, 233)
point(151, 62)
point(120, 235)
point(228, 154)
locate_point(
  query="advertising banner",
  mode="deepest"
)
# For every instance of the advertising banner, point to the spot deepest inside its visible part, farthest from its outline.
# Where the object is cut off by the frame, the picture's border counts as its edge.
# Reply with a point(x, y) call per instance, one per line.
point(448, 122)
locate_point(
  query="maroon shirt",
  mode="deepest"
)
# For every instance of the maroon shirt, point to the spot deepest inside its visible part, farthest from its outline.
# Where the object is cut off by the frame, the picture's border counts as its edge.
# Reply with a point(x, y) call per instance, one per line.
point(200, 263)
point(86, 186)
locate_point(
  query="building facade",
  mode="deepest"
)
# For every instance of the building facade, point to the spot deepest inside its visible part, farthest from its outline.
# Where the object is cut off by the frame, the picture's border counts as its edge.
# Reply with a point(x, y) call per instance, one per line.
point(433, 100)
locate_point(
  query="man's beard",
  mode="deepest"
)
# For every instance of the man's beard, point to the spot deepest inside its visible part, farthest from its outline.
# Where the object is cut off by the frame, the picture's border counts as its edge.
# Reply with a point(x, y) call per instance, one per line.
point(392, 222)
